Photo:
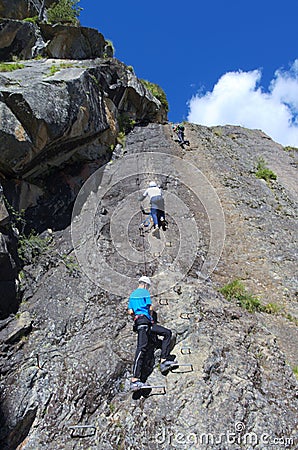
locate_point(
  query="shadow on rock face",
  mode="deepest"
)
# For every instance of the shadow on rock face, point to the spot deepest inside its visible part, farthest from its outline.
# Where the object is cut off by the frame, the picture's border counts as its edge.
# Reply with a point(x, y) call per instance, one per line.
point(10, 438)
point(8, 262)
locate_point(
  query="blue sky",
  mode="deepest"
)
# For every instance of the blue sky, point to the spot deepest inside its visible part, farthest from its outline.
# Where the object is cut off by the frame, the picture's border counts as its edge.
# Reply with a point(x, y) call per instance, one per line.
point(218, 61)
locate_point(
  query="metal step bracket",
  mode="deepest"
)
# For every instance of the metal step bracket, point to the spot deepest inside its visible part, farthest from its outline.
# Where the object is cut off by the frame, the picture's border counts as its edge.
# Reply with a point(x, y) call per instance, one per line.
point(163, 301)
point(82, 431)
point(185, 350)
point(159, 387)
point(178, 369)
point(185, 315)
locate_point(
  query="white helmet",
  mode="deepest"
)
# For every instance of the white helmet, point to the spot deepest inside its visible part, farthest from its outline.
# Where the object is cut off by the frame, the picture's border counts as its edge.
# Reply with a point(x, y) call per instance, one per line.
point(152, 184)
point(145, 280)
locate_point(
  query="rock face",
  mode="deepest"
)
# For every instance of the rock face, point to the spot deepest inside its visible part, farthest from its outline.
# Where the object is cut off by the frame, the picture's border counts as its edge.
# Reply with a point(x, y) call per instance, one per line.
point(261, 218)
point(8, 297)
point(64, 114)
point(80, 140)
point(19, 9)
point(66, 357)
point(51, 108)
point(67, 120)
point(18, 39)
point(67, 42)
point(25, 40)
point(8, 263)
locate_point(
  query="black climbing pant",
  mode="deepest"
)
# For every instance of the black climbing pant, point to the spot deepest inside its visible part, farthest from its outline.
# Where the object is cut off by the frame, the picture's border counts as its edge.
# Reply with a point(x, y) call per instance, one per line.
point(144, 328)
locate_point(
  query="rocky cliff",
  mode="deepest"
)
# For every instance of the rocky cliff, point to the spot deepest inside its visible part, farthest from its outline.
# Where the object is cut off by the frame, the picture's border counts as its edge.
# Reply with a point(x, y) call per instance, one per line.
point(80, 139)
point(60, 120)
point(67, 354)
point(20, 9)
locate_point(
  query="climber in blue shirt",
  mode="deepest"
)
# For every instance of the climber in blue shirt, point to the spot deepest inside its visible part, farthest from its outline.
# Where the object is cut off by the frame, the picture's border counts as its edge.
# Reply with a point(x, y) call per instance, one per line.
point(141, 310)
point(140, 302)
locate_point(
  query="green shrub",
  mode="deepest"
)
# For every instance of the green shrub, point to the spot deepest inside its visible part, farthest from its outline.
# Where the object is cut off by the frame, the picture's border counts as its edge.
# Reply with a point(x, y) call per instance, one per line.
point(94, 79)
point(232, 290)
point(291, 318)
point(251, 303)
point(31, 19)
point(126, 124)
point(17, 217)
point(30, 247)
point(158, 92)
point(288, 148)
point(218, 131)
point(271, 308)
point(53, 70)
point(109, 49)
point(236, 291)
point(121, 138)
point(56, 68)
point(66, 65)
point(295, 370)
point(263, 171)
point(10, 67)
point(64, 11)
point(71, 264)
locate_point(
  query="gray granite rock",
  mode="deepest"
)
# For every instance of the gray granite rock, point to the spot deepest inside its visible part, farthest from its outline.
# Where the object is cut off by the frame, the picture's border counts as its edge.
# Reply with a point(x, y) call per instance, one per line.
point(69, 42)
point(20, 9)
point(19, 39)
point(66, 369)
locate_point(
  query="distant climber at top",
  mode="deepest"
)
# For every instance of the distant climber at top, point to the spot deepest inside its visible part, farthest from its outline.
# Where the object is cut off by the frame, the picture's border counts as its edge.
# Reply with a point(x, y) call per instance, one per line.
point(179, 130)
point(141, 310)
point(157, 205)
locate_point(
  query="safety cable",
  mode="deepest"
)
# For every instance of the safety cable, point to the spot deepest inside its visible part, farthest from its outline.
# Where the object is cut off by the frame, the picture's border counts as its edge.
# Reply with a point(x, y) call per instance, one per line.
point(141, 235)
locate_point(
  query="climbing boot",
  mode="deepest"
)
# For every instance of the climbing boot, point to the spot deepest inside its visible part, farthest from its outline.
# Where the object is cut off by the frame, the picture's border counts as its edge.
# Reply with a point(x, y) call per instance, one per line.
point(167, 365)
point(136, 385)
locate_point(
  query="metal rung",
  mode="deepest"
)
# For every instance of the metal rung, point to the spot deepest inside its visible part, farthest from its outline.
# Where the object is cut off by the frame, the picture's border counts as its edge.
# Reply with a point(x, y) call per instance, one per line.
point(183, 365)
point(149, 386)
point(186, 315)
point(74, 428)
point(165, 301)
point(185, 350)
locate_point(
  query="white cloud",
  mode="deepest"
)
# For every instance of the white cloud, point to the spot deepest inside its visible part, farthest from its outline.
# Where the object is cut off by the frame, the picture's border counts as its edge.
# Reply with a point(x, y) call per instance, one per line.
point(238, 99)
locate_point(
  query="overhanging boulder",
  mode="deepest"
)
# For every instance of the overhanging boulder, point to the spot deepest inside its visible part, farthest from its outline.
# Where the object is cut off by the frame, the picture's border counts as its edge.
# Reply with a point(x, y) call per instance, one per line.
point(48, 117)
point(25, 40)
point(69, 42)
